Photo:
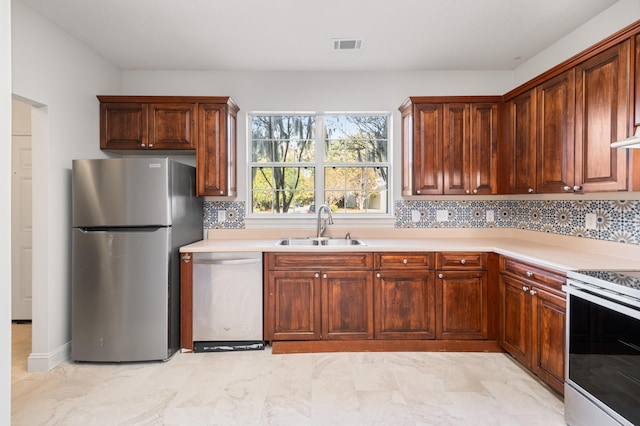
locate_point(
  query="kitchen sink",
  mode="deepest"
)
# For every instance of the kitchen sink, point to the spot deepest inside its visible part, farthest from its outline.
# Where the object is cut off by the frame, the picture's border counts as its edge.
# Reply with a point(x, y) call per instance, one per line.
point(319, 242)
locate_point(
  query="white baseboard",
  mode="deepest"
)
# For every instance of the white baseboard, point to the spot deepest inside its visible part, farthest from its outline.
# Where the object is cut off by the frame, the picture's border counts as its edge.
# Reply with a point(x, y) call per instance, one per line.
point(47, 361)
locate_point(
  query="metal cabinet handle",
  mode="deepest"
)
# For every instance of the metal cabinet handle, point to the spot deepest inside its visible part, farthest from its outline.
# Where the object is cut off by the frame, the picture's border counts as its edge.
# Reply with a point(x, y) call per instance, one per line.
point(530, 190)
point(221, 192)
point(186, 258)
point(317, 275)
point(525, 288)
point(467, 192)
point(529, 273)
point(418, 192)
point(378, 275)
point(150, 145)
point(532, 292)
point(577, 188)
point(142, 145)
point(440, 276)
point(475, 191)
point(566, 188)
point(463, 261)
point(405, 261)
point(324, 275)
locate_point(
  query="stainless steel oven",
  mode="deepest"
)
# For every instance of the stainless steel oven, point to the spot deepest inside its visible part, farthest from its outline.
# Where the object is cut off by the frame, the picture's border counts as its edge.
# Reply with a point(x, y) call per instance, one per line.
point(602, 385)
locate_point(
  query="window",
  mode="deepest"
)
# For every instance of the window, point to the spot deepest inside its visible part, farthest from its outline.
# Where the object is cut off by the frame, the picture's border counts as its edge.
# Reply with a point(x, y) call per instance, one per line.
point(299, 161)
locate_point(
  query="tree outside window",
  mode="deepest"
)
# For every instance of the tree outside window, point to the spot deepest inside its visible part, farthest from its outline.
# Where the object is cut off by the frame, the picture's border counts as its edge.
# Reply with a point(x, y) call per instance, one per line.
point(350, 150)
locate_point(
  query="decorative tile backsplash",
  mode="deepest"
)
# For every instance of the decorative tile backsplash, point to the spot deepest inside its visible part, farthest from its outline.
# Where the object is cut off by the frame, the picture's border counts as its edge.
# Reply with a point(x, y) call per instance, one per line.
point(609, 220)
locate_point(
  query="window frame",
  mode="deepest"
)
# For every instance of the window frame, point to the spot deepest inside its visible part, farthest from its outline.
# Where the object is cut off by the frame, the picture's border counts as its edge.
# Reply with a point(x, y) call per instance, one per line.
point(319, 165)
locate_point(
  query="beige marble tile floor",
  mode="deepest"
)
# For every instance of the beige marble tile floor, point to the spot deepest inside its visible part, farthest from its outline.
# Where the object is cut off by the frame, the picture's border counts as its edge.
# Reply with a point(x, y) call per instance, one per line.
point(259, 388)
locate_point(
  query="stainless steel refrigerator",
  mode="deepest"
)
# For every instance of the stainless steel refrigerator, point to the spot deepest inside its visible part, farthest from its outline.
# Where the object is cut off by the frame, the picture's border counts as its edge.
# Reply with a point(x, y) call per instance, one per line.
point(130, 216)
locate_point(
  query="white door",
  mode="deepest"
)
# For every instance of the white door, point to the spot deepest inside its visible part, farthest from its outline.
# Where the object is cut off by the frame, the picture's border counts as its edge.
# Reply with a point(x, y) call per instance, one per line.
point(21, 227)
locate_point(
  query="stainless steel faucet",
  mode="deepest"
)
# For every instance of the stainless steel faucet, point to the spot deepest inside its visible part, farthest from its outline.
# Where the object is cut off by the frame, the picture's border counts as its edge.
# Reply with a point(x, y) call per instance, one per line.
point(322, 223)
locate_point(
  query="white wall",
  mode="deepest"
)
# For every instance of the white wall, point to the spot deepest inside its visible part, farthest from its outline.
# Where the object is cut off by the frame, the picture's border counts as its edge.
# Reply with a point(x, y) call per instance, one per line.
point(618, 16)
point(61, 78)
point(5, 214)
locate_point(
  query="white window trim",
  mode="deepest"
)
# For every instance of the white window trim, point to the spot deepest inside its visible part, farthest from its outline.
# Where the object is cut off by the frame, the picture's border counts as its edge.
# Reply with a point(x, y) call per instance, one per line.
point(372, 220)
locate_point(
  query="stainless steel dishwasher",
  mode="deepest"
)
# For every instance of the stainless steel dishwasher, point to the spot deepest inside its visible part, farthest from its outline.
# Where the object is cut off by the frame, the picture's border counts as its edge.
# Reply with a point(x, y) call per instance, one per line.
point(227, 301)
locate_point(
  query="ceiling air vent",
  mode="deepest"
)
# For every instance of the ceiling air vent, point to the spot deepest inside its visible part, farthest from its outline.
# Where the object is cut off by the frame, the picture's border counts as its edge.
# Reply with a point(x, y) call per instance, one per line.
point(347, 43)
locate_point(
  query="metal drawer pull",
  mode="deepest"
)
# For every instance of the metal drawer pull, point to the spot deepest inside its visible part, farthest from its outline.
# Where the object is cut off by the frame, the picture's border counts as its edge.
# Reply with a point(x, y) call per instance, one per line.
point(324, 276)
point(378, 275)
point(463, 261)
point(529, 273)
point(186, 258)
point(525, 288)
point(533, 292)
point(440, 276)
point(317, 275)
point(405, 261)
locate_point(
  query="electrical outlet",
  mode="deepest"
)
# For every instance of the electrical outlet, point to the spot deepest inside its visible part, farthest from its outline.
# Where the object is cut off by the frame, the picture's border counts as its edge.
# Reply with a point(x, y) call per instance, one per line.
point(590, 221)
point(491, 217)
point(415, 216)
point(442, 215)
point(222, 215)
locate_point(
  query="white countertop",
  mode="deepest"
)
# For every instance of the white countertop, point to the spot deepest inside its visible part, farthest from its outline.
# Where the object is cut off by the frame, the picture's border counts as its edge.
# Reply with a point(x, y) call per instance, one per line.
point(558, 252)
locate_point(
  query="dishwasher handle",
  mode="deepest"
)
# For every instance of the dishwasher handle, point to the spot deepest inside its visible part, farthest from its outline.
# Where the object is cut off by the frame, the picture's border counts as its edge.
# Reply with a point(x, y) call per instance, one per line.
point(239, 261)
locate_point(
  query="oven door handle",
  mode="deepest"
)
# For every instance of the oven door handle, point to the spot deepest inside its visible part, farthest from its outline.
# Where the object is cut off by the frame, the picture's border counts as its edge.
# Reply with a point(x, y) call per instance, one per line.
point(614, 306)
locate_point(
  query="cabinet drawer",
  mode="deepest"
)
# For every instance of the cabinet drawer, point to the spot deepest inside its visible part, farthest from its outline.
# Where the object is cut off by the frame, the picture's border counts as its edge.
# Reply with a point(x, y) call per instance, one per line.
point(527, 271)
point(402, 260)
point(461, 261)
point(317, 261)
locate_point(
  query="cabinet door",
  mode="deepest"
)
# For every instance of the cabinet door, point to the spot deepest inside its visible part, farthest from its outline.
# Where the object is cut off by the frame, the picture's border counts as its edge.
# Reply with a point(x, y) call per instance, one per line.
point(347, 305)
point(123, 125)
point(515, 318)
point(548, 337)
point(293, 305)
point(456, 148)
point(602, 114)
point(521, 142)
point(483, 145)
point(461, 307)
point(215, 156)
point(427, 149)
point(555, 146)
point(172, 126)
point(404, 305)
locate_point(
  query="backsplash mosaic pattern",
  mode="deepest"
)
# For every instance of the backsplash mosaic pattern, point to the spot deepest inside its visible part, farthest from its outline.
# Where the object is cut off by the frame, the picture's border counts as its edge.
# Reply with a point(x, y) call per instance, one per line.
point(617, 220)
point(609, 220)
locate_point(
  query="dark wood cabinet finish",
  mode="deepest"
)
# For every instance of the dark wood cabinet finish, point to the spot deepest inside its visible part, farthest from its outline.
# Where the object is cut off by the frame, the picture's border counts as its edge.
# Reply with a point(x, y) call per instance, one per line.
point(216, 152)
point(123, 125)
point(521, 144)
point(313, 297)
point(136, 123)
point(555, 146)
point(422, 148)
point(602, 116)
point(294, 299)
point(450, 145)
point(532, 325)
point(462, 296)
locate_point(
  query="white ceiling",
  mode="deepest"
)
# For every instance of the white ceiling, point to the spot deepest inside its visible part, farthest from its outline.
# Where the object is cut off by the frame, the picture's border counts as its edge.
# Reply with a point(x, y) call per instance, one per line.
point(294, 35)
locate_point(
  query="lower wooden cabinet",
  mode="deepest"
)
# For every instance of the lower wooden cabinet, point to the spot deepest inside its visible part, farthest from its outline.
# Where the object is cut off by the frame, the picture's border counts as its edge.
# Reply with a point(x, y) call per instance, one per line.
point(461, 308)
point(532, 326)
point(316, 300)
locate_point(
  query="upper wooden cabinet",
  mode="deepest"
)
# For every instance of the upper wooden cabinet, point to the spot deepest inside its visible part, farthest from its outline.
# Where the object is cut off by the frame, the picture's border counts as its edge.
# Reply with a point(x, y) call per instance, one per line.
point(206, 124)
point(555, 133)
point(135, 123)
point(450, 145)
point(602, 117)
point(559, 132)
point(216, 150)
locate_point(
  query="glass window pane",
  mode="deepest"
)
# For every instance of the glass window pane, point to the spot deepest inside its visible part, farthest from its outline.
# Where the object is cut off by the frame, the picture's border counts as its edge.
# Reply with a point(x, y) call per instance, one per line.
point(282, 138)
point(356, 139)
point(282, 189)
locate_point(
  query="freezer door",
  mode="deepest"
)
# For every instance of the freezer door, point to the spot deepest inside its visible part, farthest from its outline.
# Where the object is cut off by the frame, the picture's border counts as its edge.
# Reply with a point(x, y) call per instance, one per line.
point(120, 192)
point(120, 292)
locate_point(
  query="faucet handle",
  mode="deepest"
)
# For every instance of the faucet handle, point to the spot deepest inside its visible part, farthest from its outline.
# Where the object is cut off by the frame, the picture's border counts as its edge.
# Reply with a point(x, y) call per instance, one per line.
point(347, 236)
